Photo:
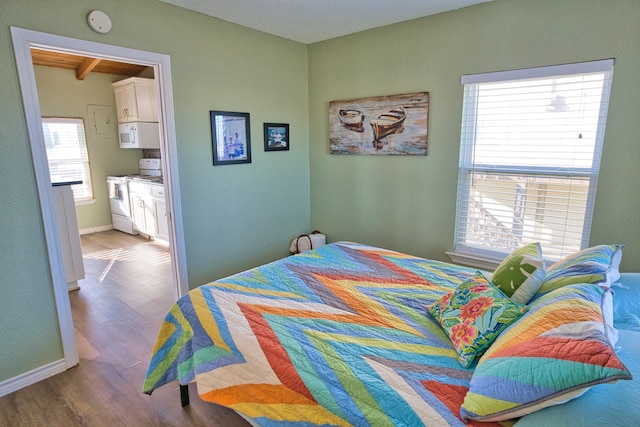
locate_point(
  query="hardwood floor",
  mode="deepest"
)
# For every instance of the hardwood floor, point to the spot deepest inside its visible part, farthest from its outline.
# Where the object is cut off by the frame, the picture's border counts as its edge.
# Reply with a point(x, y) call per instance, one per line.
point(116, 315)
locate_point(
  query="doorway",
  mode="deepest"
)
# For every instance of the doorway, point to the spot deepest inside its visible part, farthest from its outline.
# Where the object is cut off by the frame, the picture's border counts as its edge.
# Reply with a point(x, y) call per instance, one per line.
point(23, 41)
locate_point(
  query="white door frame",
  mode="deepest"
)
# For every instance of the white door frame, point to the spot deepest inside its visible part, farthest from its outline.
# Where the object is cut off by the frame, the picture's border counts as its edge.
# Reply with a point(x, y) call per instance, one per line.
point(23, 41)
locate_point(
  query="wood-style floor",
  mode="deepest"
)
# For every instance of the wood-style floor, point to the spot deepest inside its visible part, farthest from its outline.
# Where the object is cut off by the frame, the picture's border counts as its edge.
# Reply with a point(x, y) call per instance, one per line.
point(116, 315)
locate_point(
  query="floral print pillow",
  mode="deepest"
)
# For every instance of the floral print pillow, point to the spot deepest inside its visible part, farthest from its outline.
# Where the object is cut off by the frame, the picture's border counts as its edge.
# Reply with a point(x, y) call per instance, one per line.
point(474, 315)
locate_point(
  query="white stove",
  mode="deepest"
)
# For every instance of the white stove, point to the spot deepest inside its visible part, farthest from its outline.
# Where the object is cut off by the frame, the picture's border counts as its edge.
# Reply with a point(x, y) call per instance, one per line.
point(120, 204)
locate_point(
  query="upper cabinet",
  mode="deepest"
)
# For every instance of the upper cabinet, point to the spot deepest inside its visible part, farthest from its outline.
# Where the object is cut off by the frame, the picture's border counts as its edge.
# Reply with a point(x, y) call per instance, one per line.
point(136, 100)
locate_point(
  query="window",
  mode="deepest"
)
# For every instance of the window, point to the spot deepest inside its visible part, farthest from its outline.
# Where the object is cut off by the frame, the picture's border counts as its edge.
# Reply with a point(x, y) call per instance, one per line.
point(530, 155)
point(67, 154)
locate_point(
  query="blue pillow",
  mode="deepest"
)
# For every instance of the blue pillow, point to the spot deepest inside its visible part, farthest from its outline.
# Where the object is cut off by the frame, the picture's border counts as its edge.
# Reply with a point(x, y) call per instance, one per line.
point(626, 302)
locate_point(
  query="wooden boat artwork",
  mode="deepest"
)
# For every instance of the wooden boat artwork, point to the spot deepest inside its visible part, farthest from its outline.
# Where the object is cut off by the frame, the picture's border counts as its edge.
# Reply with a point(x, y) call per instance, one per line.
point(352, 120)
point(386, 123)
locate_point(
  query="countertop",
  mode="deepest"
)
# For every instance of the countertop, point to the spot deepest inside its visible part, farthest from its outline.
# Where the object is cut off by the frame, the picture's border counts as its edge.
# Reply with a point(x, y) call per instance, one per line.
point(60, 184)
point(147, 179)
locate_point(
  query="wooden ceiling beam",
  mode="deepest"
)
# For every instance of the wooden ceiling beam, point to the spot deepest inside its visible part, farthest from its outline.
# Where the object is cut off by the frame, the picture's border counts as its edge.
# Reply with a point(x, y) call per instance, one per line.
point(83, 65)
point(86, 66)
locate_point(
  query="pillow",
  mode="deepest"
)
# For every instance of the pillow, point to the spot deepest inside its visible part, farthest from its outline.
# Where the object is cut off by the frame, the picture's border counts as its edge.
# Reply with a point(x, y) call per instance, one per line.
point(602, 406)
point(626, 302)
point(521, 273)
point(553, 354)
point(474, 315)
point(598, 264)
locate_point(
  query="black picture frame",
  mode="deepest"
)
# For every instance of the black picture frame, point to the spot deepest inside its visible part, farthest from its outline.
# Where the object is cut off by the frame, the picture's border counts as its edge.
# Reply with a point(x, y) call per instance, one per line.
point(276, 136)
point(230, 137)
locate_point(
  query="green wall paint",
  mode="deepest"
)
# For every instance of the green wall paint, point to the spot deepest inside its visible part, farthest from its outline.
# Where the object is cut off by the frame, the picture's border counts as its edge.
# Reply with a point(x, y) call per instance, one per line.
point(243, 215)
point(235, 217)
point(62, 95)
point(407, 203)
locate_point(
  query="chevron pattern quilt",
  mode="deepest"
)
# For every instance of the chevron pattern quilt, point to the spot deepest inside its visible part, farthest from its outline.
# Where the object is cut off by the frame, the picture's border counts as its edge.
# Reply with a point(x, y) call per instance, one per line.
point(337, 336)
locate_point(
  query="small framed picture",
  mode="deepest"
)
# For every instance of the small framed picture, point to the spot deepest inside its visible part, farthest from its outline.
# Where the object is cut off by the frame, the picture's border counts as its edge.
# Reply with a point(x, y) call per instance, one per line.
point(231, 137)
point(276, 136)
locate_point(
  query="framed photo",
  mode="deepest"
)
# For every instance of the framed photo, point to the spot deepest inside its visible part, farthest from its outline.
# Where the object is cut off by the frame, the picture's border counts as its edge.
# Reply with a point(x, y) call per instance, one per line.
point(276, 136)
point(231, 138)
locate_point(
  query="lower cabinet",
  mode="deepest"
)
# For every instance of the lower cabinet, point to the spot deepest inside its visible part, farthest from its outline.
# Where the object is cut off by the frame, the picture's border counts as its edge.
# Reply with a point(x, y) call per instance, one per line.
point(160, 213)
point(148, 209)
point(142, 214)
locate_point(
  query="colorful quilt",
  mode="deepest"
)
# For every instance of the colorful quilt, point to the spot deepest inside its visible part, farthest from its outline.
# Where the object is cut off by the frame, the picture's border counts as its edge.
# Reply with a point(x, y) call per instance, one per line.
point(336, 336)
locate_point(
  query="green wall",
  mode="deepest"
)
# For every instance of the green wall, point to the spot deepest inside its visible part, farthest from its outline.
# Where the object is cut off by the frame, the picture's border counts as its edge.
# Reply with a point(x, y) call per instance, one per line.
point(408, 203)
point(235, 217)
point(239, 216)
point(62, 95)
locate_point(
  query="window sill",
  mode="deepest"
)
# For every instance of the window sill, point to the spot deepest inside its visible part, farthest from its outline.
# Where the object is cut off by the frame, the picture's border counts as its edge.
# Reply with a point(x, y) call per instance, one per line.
point(473, 260)
point(85, 202)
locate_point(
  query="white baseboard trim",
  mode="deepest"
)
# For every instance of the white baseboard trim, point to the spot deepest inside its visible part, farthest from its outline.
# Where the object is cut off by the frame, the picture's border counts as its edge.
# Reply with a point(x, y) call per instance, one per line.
point(32, 377)
point(96, 229)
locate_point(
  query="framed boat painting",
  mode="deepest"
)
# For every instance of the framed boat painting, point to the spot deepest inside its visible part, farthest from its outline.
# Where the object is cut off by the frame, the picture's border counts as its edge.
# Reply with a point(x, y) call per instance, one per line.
point(382, 125)
point(231, 137)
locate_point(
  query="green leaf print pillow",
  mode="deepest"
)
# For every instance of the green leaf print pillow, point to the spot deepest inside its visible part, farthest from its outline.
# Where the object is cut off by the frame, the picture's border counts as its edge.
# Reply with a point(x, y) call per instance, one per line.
point(521, 273)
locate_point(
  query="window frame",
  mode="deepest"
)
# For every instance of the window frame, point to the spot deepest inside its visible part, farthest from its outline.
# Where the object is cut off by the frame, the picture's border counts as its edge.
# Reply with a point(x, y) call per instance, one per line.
point(485, 258)
point(88, 184)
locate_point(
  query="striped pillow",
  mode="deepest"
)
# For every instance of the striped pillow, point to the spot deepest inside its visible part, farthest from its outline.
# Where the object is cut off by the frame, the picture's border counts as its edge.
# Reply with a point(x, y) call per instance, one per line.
point(598, 264)
point(553, 354)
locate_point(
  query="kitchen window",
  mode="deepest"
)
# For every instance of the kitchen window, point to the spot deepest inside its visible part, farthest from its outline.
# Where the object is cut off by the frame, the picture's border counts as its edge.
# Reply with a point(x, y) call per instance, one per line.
point(67, 154)
point(530, 153)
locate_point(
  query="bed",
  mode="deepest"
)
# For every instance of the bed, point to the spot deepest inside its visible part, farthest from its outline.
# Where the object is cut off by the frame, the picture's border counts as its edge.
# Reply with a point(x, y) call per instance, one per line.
point(350, 334)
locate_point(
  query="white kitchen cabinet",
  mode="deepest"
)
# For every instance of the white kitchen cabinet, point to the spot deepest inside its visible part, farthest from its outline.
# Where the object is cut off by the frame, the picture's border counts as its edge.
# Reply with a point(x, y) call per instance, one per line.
point(69, 234)
point(142, 214)
point(160, 212)
point(148, 209)
point(136, 100)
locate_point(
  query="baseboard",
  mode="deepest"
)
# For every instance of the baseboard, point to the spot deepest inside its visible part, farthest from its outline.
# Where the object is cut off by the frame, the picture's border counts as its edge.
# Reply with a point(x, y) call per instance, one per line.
point(32, 377)
point(96, 229)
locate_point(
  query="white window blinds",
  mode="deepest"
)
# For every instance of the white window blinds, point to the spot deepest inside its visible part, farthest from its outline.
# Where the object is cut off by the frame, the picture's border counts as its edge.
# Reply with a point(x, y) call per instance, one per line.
point(530, 155)
point(67, 154)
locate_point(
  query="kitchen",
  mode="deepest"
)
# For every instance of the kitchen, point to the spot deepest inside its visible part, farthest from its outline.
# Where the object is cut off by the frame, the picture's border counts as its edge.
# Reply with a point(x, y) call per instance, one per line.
point(120, 116)
point(137, 201)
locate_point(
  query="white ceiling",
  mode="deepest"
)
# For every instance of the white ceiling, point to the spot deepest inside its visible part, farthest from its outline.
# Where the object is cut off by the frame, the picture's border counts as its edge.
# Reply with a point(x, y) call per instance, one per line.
point(310, 21)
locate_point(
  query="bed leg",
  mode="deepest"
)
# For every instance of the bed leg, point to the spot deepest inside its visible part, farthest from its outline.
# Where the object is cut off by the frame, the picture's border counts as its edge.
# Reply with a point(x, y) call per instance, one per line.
point(184, 395)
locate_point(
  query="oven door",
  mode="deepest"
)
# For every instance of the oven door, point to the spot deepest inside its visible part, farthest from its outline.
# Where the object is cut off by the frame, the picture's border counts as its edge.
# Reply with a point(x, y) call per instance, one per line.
point(119, 197)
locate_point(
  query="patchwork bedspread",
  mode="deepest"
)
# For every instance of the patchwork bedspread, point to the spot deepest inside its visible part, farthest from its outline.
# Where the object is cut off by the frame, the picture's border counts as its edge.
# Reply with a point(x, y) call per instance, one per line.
point(335, 336)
